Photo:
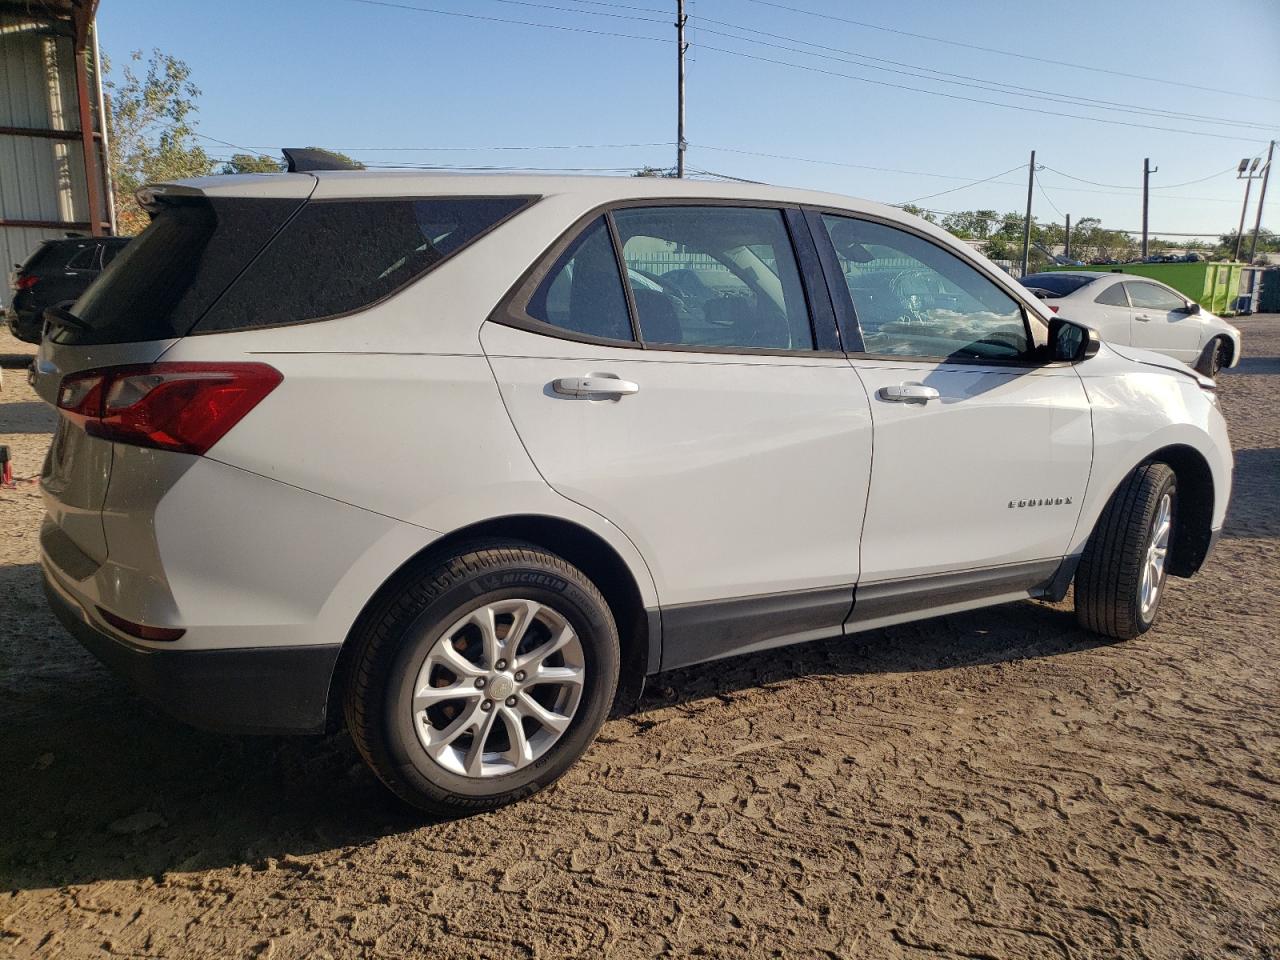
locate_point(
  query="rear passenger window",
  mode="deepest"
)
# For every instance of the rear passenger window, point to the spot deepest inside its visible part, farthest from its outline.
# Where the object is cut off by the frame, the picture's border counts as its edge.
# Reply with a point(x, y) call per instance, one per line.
point(582, 293)
point(337, 256)
point(717, 276)
point(83, 259)
point(1113, 296)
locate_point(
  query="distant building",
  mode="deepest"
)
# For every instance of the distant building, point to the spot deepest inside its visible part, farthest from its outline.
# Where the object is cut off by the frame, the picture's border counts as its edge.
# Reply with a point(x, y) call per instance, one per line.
point(53, 175)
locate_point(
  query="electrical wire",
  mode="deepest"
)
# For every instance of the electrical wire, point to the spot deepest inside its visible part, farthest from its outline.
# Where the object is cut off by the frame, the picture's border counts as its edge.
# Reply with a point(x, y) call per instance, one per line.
point(978, 83)
point(522, 23)
point(965, 186)
point(954, 96)
point(1007, 53)
point(1040, 187)
point(562, 146)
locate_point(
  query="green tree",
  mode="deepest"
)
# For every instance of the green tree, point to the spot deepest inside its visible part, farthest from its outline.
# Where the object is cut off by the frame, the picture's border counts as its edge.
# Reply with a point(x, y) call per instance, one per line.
point(647, 171)
point(920, 212)
point(150, 131)
point(251, 163)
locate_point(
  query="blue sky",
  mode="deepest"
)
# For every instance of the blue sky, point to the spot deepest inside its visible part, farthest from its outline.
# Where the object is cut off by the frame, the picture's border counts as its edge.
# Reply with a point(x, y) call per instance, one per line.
point(358, 76)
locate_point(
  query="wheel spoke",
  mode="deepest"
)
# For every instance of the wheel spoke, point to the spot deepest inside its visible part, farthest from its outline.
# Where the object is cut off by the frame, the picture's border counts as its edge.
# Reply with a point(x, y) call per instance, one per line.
point(523, 616)
point(448, 656)
point(430, 696)
point(519, 753)
point(558, 675)
point(529, 707)
point(474, 762)
point(532, 661)
point(483, 618)
point(441, 740)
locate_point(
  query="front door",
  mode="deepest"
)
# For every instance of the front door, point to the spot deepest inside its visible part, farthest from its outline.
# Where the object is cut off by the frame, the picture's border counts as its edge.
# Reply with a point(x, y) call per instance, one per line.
point(982, 451)
point(1161, 321)
point(691, 409)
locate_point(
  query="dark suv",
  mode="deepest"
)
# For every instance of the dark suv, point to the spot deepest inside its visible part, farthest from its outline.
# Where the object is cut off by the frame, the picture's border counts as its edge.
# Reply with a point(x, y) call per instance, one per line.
point(57, 272)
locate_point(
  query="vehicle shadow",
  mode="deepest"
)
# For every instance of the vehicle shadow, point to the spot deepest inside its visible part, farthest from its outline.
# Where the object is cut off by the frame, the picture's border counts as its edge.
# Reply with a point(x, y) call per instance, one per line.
point(26, 416)
point(1252, 512)
point(1253, 365)
point(16, 361)
point(97, 784)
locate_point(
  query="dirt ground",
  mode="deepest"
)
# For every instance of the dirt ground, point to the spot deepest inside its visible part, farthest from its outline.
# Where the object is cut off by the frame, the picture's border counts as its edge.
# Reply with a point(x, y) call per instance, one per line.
point(996, 784)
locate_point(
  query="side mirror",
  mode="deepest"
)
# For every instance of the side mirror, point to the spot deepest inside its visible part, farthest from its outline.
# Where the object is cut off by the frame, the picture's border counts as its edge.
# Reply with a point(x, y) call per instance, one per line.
point(1071, 342)
point(1193, 309)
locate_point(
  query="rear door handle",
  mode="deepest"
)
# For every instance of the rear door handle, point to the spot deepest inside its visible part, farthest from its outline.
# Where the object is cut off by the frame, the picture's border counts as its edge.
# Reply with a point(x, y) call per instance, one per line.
point(595, 386)
point(908, 393)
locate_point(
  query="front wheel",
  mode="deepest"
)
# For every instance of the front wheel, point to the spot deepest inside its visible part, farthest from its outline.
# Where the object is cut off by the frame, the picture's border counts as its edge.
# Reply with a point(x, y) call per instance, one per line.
point(1213, 359)
point(1121, 578)
point(481, 680)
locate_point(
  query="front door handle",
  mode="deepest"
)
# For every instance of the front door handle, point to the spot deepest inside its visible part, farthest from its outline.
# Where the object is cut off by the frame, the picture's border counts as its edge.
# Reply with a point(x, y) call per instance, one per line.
point(595, 386)
point(908, 393)
point(1142, 318)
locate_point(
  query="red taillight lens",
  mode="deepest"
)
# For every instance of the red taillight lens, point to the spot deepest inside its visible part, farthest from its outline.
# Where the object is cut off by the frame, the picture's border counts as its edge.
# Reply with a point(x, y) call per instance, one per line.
point(27, 282)
point(187, 407)
point(1052, 307)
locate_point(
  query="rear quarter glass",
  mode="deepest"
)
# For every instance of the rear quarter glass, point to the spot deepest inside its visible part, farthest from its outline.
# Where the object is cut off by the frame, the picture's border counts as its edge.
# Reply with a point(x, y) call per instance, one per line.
point(162, 282)
point(342, 255)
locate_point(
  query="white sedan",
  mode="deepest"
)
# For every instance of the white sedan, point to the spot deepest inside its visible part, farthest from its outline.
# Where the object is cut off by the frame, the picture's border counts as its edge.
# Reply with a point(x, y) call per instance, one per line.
point(1139, 312)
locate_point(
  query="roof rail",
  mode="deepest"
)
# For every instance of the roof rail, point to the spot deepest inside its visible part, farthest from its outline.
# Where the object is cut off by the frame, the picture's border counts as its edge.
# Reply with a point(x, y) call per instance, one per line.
point(306, 159)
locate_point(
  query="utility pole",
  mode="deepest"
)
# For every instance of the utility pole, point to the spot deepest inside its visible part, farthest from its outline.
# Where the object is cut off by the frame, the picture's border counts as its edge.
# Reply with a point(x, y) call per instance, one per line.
point(1262, 198)
point(1147, 171)
point(1026, 224)
point(681, 47)
point(1067, 252)
point(1248, 174)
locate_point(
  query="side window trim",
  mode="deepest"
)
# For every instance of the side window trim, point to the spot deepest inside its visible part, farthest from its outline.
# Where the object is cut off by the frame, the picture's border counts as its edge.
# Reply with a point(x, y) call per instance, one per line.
point(633, 314)
point(822, 316)
point(837, 289)
point(836, 283)
point(512, 309)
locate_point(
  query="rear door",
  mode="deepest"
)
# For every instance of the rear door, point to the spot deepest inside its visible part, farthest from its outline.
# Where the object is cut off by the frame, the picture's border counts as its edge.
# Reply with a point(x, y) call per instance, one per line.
point(1111, 315)
point(1161, 321)
point(982, 451)
point(692, 407)
point(149, 296)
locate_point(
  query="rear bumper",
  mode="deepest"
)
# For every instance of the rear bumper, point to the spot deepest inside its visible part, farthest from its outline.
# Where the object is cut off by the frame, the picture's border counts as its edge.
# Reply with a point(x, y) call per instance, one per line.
point(242, 690)
point(24, 326)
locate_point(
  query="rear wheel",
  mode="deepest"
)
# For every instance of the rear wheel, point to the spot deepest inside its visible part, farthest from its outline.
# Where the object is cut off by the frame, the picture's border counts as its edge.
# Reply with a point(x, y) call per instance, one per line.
point(1121, 578)
point(481, 680)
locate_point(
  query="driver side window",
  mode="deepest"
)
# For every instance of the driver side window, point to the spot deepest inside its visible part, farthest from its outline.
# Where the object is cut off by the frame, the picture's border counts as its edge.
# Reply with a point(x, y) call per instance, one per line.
point(915, 299)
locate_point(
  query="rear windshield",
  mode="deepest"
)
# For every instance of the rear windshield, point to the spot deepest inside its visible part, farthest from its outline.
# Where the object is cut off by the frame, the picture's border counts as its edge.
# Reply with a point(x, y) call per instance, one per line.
point(337, 256)
point(210, 266)
point(51, 253)
point(164, 281)
point(1057, 284)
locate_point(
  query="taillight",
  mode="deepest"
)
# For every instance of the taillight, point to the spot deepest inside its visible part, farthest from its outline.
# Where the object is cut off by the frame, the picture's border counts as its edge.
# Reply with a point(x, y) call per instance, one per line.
point(186, 407)
point(140, 630)
point(1052, 307)
point(27, 282)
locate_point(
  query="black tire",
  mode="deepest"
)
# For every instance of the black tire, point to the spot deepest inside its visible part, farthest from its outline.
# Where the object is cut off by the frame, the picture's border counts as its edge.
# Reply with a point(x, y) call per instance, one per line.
point(1109, 578)
point(1211, 360)
point(395, 638)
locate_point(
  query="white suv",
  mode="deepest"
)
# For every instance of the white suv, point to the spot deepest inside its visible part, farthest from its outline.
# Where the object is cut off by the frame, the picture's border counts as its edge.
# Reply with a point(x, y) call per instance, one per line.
point(466, 458)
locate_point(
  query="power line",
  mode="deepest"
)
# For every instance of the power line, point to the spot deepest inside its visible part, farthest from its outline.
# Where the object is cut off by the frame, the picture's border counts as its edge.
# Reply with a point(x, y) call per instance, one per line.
point(592, 13)
point(978, 83)
point(1167, 186)
point(522, 23)
point(954, 96)
point(1008, 53)
point(558, 146)
point(966, 186)
point(1040, 187)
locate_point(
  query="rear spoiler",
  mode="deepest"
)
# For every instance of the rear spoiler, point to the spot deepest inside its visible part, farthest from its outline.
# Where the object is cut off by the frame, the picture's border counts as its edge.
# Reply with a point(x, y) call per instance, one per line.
point(307, 159)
